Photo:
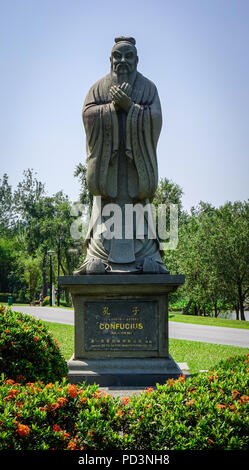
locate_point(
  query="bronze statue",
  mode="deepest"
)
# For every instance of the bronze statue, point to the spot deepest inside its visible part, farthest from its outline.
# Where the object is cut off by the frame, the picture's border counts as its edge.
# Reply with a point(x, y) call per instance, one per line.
point(122, 119)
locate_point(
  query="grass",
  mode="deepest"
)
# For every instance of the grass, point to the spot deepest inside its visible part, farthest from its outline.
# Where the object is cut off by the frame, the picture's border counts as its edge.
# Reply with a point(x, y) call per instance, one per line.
point(202, 356)
point(65, 336)
point(178, 317)
point(199, 356)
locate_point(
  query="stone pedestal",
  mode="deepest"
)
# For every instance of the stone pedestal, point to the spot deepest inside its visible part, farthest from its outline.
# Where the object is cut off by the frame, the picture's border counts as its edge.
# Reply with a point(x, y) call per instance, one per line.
point(121, 328)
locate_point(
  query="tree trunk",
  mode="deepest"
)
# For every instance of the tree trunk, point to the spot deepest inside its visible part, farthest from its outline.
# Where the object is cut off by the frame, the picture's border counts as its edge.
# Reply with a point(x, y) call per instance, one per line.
point(241, 303)
point(186, 309)
point(215, 309)
point(237, 311)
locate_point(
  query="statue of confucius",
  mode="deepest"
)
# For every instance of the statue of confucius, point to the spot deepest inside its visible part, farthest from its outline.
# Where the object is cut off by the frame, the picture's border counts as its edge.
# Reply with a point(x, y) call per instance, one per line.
point(122, 119)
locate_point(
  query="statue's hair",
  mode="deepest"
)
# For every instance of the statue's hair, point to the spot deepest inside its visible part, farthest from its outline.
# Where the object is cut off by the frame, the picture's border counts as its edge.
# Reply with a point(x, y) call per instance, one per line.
point(125, 39)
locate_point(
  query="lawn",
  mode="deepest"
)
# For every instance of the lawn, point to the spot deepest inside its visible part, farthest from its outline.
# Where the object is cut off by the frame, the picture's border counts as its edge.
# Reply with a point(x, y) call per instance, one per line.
point(199, 356)
point(208, 320)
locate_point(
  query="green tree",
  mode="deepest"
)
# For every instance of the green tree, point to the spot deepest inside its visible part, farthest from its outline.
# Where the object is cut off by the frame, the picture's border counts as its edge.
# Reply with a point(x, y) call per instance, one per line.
point(85, 197)
point(29, 191)
point(230, 246)
point(6, 201)
point(168, 192)
point(213, 253)
point(32, 274)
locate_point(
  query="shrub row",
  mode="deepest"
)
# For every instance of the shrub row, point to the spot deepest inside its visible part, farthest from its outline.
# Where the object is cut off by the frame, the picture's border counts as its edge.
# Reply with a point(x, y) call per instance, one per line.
point(208, 411)
point(28, 351)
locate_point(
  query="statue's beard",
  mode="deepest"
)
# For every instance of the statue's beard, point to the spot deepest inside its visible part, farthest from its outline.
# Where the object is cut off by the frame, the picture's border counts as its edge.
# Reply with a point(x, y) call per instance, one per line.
point(123, 73)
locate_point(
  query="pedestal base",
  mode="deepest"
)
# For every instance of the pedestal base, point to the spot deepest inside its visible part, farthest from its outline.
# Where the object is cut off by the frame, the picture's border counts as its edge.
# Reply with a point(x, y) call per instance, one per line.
point(120, 372)
point(121, 329)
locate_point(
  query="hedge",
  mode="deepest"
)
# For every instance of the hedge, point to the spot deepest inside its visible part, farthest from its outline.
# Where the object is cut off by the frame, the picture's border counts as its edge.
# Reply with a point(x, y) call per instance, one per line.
point(208, 411)
point(28, 351)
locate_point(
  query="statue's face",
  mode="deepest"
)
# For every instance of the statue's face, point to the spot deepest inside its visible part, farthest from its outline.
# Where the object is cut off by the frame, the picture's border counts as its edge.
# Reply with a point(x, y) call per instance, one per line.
point(124, 59)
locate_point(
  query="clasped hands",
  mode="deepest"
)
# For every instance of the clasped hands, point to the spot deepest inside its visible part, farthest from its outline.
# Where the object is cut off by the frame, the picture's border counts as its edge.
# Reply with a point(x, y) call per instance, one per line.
point(121, 96)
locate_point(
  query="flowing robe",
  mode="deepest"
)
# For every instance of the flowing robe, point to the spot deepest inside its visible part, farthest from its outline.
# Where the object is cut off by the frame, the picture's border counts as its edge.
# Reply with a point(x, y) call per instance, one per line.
point(143, 126)
point(122, 165)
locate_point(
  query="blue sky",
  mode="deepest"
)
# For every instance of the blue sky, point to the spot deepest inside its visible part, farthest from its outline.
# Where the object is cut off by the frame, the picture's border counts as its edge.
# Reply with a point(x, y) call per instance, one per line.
point(195, 51)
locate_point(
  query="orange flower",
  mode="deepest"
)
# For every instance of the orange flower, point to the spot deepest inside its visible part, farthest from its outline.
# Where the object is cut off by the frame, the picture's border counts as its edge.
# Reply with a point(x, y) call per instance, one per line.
point(72, 445)
point(12, 393)
point(232, 407)
point(119, 413)
point(55, 405)
point(210, 441)
point(244, 399)
point(190, 402)
point(72, 390)
point(125, 400)
point(9, 382)
point(171, 382)
point(19, 404)
point(149, 390)
point(220, 406)
point(7, 332)
point(50, 385)
point(56, 428)
point(235, 393)
point(62, 400)
point(181, 378)
point(83, 399)
point(22, 430)
point(246, 361)
point(36, 338)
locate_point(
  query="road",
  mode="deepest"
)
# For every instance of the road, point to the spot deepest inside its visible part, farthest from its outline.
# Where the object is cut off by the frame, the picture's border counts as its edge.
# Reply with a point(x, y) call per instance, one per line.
point(177, 330)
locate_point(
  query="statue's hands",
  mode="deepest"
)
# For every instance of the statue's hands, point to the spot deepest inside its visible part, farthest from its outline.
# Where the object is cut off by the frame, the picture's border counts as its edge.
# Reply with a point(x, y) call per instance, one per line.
point(127, 88)
point(120, 98)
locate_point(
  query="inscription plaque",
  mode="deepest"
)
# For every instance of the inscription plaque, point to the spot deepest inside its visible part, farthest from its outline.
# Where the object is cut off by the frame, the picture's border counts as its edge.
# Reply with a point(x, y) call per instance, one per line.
point(121, 325)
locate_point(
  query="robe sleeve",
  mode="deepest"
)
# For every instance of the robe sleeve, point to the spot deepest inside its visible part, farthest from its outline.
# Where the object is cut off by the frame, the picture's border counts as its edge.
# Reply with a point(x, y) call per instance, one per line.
point(144, 122)
point(101, 127)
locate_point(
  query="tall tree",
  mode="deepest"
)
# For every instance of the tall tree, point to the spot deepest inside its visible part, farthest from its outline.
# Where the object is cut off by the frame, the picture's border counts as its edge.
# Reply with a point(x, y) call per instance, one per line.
point(85, 197)
point(6, 214)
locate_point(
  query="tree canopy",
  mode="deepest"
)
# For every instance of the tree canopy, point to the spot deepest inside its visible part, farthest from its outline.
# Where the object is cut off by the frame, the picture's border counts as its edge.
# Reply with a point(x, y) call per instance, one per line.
point(212, 249)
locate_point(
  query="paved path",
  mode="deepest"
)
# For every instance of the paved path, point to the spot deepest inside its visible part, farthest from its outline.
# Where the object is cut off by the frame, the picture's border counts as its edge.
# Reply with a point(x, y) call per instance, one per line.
point(177, 330)
point(209, 334)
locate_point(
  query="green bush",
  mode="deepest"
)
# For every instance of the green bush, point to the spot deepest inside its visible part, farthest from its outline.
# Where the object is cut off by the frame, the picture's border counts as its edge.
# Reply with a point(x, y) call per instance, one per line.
point(208, 411)
point(28, 351)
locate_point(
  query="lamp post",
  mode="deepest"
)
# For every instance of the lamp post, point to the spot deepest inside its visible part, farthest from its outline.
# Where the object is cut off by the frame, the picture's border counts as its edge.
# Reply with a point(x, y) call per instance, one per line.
point(59, 262)
point(50, 252)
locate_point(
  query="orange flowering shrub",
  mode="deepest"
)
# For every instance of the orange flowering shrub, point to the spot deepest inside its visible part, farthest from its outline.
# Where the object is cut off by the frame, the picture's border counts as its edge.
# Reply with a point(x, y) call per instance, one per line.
point(27, 349)
point(185, 413)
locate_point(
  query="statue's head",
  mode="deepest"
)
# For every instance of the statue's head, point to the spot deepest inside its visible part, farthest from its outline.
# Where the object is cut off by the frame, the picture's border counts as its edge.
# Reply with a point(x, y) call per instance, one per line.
point(124, 57)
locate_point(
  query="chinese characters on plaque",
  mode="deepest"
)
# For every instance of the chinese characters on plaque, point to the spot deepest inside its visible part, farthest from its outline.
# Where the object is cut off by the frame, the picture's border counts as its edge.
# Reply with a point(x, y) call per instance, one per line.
point(121, 325)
